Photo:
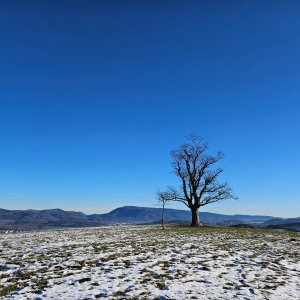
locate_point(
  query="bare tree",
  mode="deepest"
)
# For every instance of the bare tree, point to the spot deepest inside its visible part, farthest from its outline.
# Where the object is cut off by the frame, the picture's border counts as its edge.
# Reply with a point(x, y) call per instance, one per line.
point(163, 197)
point(199, 186)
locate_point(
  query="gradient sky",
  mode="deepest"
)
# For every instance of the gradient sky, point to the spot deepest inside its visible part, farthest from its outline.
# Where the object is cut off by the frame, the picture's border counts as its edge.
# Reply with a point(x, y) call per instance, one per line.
point(95, 94)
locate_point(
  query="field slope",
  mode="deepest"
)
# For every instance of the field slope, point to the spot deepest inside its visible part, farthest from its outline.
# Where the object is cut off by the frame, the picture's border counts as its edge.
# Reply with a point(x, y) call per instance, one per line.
point(143, 262)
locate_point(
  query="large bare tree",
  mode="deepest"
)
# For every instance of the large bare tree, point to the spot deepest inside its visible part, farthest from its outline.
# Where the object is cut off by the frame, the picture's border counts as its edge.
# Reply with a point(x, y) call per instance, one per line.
point(198, 177)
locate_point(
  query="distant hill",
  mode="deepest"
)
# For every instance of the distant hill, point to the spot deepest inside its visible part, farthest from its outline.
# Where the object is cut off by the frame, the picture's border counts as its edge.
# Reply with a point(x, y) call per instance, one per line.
point(287, 224)
point(150, 214)
point(41, 219)
point(57, 218)
point(277, 221)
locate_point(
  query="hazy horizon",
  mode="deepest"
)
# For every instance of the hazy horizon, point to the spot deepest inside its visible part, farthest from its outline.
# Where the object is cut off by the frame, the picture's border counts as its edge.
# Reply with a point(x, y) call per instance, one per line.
point(94, 95)
point(171, 206)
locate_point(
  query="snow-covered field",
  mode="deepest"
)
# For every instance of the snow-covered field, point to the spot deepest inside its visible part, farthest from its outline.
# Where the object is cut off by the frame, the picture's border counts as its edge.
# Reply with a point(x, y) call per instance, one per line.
point(140, 262)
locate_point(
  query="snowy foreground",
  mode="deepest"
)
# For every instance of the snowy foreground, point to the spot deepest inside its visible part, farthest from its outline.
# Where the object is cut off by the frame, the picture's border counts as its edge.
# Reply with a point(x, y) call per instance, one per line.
point(140, 262)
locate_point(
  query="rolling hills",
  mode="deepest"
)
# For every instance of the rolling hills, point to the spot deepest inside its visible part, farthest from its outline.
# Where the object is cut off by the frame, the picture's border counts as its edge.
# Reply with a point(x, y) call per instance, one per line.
point(58, 218)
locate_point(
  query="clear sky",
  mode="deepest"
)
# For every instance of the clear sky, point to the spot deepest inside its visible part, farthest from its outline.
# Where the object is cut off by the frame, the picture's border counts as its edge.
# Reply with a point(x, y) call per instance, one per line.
point(95, 94)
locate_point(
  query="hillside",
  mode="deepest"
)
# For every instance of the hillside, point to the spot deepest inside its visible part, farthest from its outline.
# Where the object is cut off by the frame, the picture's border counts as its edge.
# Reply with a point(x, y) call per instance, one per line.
point(145, 262)
point(57, 218)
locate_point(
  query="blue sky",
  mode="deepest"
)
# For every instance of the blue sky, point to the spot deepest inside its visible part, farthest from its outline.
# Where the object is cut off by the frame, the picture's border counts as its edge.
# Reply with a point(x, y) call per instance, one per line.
point(95, 94)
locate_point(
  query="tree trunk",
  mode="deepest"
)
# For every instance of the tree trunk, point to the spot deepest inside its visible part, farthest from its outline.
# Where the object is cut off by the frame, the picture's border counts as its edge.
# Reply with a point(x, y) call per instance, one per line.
point(195, 216)
point(163, 216)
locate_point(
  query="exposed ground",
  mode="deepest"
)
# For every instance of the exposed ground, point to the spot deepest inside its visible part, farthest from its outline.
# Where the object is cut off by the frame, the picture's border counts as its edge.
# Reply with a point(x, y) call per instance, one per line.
point(143, 262)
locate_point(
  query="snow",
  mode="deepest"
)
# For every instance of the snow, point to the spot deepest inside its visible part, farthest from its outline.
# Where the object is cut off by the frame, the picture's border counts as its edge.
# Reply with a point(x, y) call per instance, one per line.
point(144, 262)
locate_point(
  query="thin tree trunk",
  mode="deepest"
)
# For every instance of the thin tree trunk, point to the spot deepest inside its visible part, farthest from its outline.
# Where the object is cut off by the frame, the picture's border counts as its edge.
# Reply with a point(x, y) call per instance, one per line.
point(195, 217)
point(163, 216)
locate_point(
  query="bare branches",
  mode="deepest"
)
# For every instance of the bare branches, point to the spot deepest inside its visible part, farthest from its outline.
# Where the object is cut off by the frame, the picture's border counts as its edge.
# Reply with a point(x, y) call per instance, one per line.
point(199, 184)
point(198, 178)
point(217, 193)
point(171, 194)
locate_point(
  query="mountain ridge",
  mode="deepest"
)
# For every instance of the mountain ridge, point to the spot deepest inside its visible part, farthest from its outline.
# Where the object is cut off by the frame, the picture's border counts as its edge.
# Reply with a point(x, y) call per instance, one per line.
point(56, 218)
